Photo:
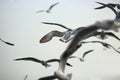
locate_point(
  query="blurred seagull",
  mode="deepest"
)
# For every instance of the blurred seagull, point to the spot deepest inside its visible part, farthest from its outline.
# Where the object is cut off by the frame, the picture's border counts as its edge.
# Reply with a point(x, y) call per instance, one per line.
point(104, 34)
point(104, 44)
point(76, 43)
point(8, 43)
point(83, 56)
point(50, 8)
point(69, 33)
point(66, 35)
point(34, 60)
point(111, 6)
point(44, 63)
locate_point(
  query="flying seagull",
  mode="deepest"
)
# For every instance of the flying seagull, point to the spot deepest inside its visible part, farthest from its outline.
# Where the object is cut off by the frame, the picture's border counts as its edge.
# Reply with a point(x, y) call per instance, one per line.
point(69, 33)
point(66, 35)
point(103, 43)
point(8, 43)
point(84, 54)
point(49, 10)
point(44, 63)
point(103, 35)
point(75, 44)
point(111, 6)
point(34, 60)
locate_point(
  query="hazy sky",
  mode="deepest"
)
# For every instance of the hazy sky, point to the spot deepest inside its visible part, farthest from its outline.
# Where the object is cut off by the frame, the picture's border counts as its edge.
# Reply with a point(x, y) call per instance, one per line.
point(19, 24)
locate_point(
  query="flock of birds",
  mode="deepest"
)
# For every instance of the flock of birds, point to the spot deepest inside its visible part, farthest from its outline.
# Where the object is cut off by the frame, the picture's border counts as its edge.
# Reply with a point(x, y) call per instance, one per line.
point(76, 38)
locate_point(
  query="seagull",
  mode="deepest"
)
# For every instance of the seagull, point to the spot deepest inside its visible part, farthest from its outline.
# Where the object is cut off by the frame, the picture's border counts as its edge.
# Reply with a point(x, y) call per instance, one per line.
point(44, 63)
point(103, 43)
point(84, 54)
point(66, 35)
point(75, 44)
point(8, 43)
point(104, 34)
point(111, 6)
point(49, 10)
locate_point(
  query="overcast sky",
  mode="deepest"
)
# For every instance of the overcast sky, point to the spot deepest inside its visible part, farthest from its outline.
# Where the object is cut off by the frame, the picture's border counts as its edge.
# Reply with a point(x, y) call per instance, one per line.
point(19, 24)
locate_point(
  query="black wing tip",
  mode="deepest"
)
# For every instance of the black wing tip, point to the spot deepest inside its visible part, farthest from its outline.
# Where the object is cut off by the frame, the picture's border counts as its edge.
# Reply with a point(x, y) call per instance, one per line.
point(16, 59)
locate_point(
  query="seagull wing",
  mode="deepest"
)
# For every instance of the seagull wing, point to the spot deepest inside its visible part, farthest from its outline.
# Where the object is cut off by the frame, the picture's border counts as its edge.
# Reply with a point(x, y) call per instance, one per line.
point(29, 59)
point(104, 44)
point(57, 25)
point(52, 6)
point(113, 48)
point(108, 7)
point(110, 4)
point(57, 60)
point(113, 5)
point(53, 60)
point(100, 7)
point(8, 43)
point(48, 78)
point(50, 35)
point(40, 11)
point(73, 57)
point(87, 53)
point(112, 34)
point(84, 54)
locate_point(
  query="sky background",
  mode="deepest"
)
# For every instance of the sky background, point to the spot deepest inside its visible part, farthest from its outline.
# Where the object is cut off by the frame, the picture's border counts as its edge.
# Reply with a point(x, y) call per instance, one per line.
point(19, 24)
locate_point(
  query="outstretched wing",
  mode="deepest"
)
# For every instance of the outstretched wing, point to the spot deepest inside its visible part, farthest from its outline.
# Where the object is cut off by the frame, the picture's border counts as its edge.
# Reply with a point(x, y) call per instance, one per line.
point(57, 25)
point(50, 35)
point(106, 5)
point(29, 59)
point(8, 43)
point(48, 78)
point(112, 34)
point(110, 4)
point(87, 53)
point(52, 6)
point(40, 11)
point(57, 60)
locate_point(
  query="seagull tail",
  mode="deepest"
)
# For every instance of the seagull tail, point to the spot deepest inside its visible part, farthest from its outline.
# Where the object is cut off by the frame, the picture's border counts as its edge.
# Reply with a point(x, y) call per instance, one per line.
point(69, 76)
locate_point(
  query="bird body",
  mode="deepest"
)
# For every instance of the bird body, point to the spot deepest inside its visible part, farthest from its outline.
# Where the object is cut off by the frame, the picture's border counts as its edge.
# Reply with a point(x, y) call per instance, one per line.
point(49, 10)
